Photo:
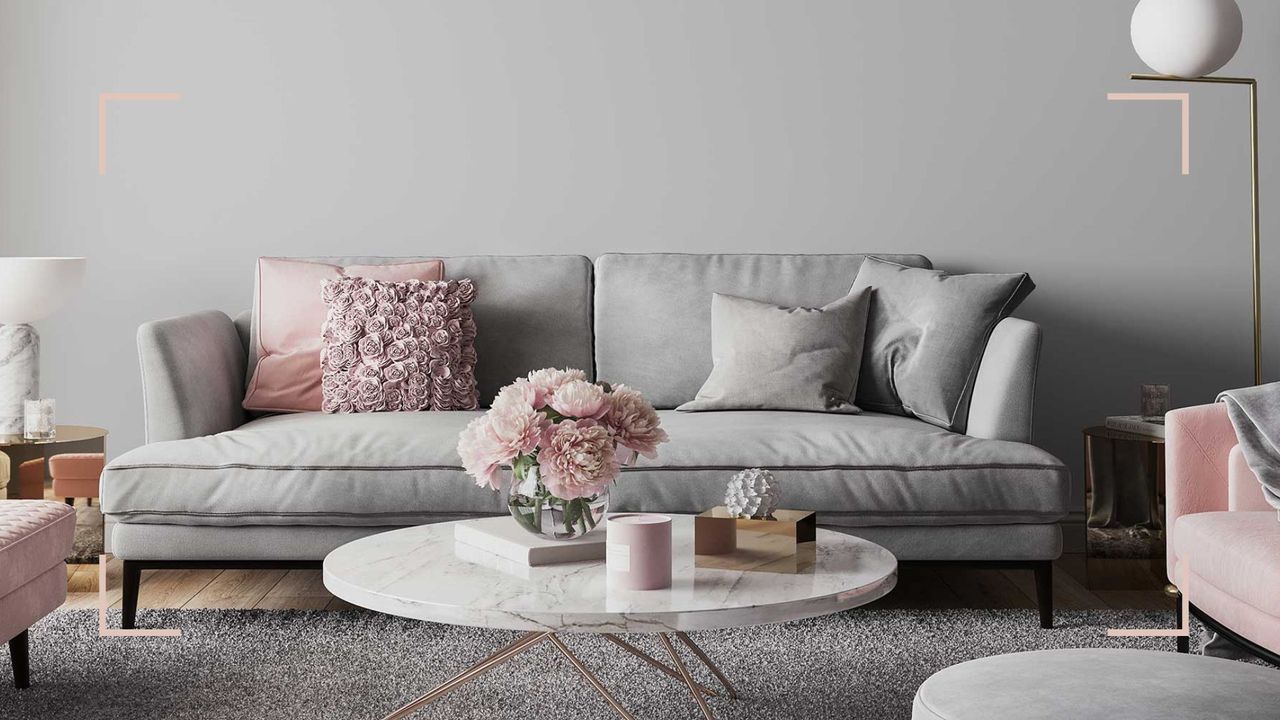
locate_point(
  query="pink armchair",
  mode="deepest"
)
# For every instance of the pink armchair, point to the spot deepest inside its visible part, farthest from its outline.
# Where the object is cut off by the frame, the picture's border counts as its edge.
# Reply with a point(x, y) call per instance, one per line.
point(1224, 539)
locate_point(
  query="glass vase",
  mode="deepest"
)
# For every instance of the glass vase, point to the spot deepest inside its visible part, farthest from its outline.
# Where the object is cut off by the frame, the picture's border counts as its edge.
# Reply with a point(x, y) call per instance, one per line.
point(544, 514)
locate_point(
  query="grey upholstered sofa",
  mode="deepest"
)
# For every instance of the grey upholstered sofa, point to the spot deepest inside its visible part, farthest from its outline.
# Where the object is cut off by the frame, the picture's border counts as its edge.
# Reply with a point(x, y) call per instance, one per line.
point(215, 488)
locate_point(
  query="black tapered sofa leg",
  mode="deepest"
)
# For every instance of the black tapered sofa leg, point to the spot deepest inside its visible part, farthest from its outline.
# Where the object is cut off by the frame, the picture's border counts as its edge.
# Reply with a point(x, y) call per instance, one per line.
point(20, 653)
point(1044, 592)
point(1179, 622)
point(129, 597)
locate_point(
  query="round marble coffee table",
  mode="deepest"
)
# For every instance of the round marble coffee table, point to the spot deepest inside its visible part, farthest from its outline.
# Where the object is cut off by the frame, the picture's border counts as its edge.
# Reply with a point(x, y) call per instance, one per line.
point(420, 573)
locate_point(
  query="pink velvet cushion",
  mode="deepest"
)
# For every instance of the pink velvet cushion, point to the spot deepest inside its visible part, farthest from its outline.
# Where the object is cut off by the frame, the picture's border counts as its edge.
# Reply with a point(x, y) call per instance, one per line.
point(287, 322)
point(35, 535)
point(398, 346)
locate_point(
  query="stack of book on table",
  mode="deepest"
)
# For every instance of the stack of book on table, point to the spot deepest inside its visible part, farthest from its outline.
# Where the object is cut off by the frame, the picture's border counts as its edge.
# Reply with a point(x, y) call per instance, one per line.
point(1137, 424)
point(503, 537)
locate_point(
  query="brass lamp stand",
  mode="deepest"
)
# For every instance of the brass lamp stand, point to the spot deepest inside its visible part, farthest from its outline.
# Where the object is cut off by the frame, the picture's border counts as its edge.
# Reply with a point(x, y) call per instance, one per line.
point(1253, 145)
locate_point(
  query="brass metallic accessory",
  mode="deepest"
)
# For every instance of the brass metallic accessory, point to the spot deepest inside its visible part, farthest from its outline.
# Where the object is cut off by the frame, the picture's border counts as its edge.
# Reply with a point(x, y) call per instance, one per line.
point(532, 639)
point(1257, 249)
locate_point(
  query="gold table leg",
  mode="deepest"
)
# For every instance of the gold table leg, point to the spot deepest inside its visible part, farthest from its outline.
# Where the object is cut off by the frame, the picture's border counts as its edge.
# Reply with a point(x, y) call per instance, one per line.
point(728, 687)
point(529, 640)
point(684, 675)
point(591, 678)
point(653, 661)
point(525, 642)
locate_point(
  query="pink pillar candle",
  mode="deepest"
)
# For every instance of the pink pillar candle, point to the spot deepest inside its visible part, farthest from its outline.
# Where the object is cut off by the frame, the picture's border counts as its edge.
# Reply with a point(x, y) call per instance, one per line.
point(638, 551)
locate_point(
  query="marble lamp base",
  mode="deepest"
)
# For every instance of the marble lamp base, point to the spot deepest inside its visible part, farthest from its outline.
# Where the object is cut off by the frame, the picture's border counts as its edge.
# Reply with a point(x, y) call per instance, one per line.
point(19, 374)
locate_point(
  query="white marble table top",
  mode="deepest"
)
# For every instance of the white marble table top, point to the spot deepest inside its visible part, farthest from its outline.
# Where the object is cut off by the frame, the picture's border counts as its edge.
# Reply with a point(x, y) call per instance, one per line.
point(421, 573)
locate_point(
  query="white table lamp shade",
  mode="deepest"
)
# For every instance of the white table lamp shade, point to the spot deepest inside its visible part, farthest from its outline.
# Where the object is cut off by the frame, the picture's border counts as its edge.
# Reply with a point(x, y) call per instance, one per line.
point(1186, 38)
point(33, 288)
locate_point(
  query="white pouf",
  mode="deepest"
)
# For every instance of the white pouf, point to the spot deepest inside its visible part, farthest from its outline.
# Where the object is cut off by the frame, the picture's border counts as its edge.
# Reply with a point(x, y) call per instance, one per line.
point(1091, 683)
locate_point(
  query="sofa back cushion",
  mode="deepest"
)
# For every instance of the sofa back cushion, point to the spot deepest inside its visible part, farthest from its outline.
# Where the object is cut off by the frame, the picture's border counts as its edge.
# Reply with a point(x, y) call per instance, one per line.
point(653, 311)
point(530, 311)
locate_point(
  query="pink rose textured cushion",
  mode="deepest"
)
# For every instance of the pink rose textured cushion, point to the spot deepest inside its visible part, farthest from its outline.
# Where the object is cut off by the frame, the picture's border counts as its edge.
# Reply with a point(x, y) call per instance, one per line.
point(398, 346)
point(287, 322)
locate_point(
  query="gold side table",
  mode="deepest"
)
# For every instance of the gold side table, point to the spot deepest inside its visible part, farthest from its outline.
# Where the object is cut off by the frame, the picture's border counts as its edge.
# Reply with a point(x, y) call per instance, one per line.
point(14, 451)
point(1124, 508)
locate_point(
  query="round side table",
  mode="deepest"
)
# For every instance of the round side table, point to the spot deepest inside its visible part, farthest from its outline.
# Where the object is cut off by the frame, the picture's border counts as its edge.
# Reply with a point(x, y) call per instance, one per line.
point(15, 451)
point(1124, 502)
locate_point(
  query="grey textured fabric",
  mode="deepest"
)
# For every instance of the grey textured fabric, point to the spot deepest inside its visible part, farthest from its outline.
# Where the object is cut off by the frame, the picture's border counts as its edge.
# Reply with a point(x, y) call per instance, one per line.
point(653, 311)
point(1026, 542)
point(1098, 683)
point(147, 541)
point(865, 664)
point(144, 541)
point(1004, 391)
point(1255, 414)
point(531, 311)
point(192, 376)
point(925, 337)
point(302, 469)
point(876, 469)
point(403, 468)
point(768, 357)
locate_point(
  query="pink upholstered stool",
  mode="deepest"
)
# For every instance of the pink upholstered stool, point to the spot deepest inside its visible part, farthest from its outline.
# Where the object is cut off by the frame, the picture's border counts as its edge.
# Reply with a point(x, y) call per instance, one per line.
point(35, 539)
point(31, 479)
point(76, 475)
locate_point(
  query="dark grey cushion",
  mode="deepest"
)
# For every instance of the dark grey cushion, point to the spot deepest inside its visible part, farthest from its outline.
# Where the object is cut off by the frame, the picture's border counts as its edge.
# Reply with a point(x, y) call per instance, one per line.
point(768, 357)
point(653, 311)
point(925, 337)
point(403, 468)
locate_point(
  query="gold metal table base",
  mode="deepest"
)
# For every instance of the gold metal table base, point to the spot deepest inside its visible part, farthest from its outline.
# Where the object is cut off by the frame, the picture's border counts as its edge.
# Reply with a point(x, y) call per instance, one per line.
point(677, 670)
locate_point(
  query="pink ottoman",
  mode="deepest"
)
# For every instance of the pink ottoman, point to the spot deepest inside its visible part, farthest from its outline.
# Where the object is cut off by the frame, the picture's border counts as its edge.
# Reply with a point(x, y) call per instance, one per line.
point(76, 475)
point(35, 537)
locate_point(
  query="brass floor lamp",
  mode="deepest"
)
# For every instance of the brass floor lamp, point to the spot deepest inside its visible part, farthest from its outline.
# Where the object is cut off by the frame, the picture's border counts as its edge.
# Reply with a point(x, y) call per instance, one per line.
point(1257, 249)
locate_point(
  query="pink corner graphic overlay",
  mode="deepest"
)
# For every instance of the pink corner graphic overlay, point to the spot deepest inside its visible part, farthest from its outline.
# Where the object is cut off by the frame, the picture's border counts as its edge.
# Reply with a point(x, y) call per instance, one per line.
point(103, 99)
point(1185, 99)
point(103, 630)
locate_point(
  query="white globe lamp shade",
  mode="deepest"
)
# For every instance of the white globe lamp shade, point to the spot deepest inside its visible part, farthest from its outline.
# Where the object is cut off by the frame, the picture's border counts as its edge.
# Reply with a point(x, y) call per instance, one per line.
point(1186, 38)
point(33, 288)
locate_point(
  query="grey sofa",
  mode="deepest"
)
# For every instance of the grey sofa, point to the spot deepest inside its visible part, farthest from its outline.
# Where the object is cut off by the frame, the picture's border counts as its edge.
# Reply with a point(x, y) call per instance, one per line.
point(214, 487)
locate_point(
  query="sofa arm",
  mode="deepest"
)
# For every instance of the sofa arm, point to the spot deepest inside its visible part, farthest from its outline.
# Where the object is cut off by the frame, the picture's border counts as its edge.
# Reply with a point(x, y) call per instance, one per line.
point(192, 376)
point(1197, 452)
point(1004, 391)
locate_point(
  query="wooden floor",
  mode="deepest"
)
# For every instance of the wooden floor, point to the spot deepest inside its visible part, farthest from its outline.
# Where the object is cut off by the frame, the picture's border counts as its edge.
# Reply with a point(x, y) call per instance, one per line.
point(918, 587)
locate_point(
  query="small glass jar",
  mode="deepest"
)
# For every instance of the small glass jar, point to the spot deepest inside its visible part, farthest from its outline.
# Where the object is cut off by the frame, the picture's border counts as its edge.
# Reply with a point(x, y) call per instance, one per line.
point(38, 421)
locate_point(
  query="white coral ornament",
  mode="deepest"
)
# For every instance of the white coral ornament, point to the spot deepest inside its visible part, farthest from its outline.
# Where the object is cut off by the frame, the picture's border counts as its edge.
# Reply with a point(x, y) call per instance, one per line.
point(753, 493)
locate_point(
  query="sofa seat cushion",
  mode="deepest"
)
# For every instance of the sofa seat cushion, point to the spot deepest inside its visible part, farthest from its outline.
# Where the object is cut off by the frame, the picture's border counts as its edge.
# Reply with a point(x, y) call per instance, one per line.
point(855, 470)
point(403, 468)
point(35, 535)
point(1238, 553)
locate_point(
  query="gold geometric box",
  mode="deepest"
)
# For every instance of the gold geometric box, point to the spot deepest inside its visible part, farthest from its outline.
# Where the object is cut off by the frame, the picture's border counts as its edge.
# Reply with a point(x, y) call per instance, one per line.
point(786, 542)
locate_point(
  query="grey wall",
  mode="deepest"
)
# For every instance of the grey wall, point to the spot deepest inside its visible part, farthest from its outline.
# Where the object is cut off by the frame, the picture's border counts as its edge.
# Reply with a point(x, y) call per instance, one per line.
point(974, 131)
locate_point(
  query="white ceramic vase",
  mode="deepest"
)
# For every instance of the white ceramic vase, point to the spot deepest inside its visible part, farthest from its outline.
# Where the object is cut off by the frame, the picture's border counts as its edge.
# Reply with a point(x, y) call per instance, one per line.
point(1186, 38)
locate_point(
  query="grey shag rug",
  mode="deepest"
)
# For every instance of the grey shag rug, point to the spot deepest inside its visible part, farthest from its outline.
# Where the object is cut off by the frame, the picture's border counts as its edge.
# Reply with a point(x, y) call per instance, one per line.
point(293, 664)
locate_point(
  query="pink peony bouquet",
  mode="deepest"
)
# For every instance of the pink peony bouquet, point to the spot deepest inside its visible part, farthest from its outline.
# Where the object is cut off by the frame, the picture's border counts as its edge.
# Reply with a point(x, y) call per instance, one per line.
point(565, 440)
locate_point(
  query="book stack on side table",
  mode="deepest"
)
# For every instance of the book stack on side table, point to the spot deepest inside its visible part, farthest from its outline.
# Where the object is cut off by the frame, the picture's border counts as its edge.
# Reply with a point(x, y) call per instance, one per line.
point(503, 537)
point(1137, 424)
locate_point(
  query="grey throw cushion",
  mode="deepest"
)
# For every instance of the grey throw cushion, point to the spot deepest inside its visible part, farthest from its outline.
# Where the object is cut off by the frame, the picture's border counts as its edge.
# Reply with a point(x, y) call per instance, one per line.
point(925, 336)
point(766, 357)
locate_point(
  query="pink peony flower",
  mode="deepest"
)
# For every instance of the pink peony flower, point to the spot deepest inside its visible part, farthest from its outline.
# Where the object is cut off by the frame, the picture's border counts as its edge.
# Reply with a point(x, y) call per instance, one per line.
point(496, 439)
point(548, 380)
point(634, 422)
point(521, 393)
point(577, 459)
point(480, 458)
point(579, 399)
